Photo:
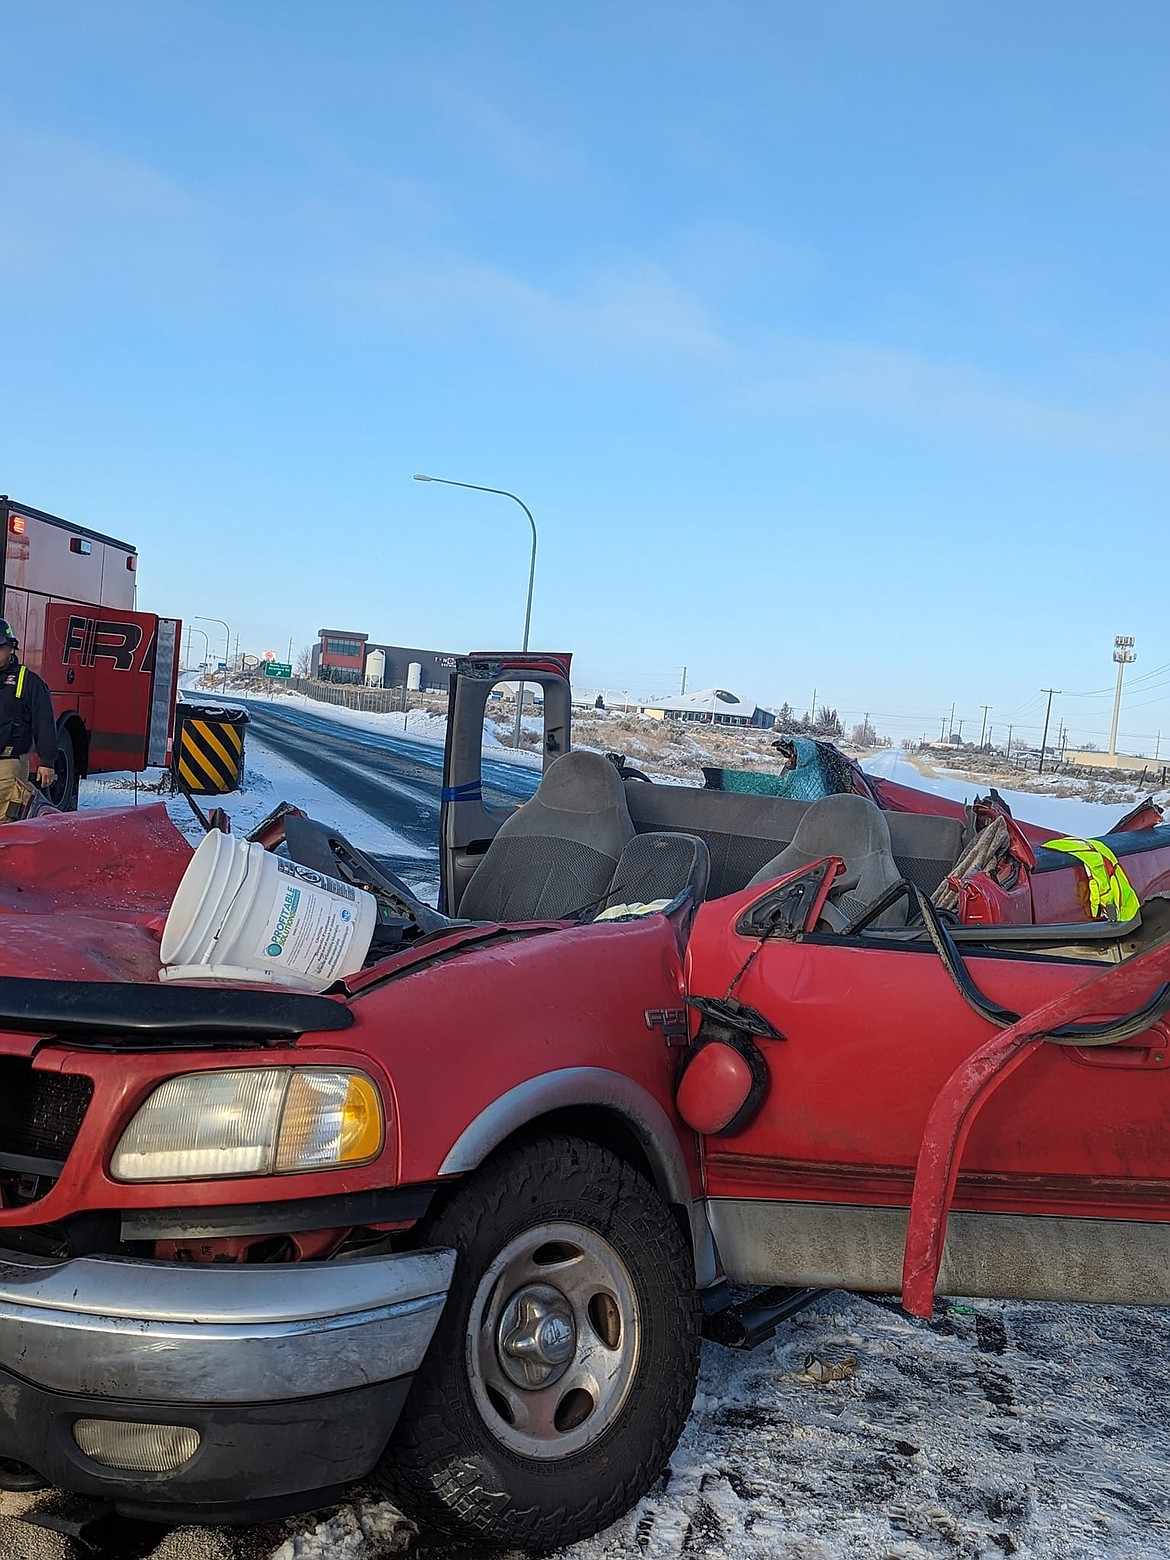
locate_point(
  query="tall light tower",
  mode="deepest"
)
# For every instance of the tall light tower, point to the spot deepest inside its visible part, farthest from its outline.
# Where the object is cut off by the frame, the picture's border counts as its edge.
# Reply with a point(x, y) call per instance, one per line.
point(1123, 654)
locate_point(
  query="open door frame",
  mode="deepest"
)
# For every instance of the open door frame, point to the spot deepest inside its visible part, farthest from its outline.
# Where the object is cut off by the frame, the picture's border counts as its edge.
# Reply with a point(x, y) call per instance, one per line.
point(467, 824)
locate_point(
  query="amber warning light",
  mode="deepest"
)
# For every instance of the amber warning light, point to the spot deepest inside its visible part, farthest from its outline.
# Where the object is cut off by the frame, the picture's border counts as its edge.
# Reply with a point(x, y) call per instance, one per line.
point(17, 524)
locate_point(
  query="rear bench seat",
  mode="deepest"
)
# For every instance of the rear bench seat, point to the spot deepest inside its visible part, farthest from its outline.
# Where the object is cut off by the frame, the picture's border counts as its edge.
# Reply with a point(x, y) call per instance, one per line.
point(743, 832)
point(925, 848)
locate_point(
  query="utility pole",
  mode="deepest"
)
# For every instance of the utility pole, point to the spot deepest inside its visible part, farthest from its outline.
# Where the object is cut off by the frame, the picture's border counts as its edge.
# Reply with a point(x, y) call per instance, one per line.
point(1157, 744)
point(951, 727)
point(1044, 738)
point(960, 731)
point(990, 734)
point(813, 712)
point(942, 731)
point(683, 689)
point(983, 733)
point(1123, 654)
point(1010, 730)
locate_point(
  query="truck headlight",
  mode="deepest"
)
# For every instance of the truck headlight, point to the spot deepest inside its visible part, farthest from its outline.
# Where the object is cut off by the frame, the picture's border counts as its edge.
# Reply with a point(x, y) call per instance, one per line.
point(251, 1121)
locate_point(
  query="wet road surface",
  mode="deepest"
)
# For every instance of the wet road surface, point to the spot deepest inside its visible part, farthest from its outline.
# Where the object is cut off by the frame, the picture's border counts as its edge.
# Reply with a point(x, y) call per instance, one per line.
point(396, 780)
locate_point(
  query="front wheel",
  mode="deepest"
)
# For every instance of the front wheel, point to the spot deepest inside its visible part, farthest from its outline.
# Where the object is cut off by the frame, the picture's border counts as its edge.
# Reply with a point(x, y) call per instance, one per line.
point(63, 791)
point(563, 1368)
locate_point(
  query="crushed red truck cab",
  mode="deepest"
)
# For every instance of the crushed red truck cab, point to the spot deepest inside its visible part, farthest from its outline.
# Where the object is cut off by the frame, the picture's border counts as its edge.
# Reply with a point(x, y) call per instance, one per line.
point(456, 1221)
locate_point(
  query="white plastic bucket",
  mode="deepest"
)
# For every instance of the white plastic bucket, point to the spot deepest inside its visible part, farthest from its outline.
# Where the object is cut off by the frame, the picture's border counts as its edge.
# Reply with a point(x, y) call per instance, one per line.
point(243, 914)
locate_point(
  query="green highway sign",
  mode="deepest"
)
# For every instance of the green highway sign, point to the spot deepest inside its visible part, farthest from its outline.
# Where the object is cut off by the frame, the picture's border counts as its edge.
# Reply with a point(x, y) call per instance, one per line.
point(277, 669)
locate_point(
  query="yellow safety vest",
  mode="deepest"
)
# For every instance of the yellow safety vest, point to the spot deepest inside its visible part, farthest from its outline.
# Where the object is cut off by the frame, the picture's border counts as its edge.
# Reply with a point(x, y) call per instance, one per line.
point(1111, 894)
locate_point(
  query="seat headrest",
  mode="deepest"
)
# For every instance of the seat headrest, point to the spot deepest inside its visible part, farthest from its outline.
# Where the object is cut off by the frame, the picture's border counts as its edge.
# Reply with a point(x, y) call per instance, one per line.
point(581, 782)
point(846, 826)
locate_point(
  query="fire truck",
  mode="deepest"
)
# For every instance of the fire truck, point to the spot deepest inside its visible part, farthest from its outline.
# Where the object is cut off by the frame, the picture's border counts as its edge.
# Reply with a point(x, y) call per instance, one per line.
point(69, 594)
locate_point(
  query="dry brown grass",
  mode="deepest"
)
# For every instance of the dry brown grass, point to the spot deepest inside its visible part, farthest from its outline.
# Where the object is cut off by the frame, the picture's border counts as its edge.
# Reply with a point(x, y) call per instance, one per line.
point(678, 748)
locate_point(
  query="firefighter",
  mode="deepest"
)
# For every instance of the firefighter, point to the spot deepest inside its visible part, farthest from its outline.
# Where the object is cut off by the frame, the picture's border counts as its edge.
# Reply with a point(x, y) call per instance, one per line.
point(26, 721)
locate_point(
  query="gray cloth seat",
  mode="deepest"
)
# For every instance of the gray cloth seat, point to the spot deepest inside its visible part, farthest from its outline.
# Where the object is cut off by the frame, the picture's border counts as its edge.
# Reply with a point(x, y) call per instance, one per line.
point(558, 853)
point(854, 829)
point(660, 866)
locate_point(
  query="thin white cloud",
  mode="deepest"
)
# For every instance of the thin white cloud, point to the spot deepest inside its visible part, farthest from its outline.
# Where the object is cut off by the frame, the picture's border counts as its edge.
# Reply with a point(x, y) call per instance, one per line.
point(908, 388)
point(610, 316)
point(82, 220)
point(486, 132)
point(637, 315)
point(84, 215)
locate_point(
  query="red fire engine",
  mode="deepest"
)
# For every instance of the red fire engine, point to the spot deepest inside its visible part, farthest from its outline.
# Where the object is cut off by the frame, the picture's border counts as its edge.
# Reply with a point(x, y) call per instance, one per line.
point(69, 594)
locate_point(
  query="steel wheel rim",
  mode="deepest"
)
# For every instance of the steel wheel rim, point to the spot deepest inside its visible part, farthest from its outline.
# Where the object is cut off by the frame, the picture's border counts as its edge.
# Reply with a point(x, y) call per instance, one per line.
point(554, 1340)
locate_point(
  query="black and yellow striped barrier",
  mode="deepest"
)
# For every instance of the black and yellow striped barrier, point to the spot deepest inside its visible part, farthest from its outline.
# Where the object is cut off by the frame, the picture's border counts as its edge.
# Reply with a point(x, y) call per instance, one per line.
point(208, 752)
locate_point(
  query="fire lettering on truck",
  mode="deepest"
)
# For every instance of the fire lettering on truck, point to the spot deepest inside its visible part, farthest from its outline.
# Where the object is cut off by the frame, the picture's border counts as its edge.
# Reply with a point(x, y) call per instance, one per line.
point(101, 639)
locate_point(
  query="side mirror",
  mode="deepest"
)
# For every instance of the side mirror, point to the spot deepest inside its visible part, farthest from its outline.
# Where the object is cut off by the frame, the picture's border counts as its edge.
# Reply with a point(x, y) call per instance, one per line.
point(793, 905)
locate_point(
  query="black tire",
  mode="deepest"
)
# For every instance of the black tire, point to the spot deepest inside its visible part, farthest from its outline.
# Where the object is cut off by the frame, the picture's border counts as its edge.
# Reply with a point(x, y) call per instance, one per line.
point(459, 1461)
point(63, 791)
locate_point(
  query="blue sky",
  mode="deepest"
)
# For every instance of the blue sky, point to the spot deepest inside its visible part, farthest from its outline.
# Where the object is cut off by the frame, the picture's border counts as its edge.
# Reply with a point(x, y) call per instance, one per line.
point(828, 344)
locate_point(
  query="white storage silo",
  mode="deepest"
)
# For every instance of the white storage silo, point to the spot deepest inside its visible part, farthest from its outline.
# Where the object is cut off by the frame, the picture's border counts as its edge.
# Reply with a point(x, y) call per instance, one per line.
point(376, 669)
point(414, 680)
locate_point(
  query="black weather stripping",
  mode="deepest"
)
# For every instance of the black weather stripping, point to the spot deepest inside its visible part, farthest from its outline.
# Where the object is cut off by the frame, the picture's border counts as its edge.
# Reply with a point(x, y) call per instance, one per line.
point(99, 1012)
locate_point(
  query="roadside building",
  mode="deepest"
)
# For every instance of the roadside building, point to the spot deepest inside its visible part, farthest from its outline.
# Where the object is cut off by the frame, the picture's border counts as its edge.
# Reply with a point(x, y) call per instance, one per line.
point(339, 655)
point(711, 707)
point(345, 656)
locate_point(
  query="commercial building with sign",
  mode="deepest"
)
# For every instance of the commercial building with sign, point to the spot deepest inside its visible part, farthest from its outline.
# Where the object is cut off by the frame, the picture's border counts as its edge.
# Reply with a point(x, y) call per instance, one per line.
point(343, 655)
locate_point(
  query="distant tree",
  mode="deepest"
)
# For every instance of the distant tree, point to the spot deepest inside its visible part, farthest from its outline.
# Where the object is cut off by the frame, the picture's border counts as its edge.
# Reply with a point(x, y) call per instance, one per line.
point(599, 703)
point(304, 666)
point(863, 735)
point(1089, 747)
point(827, 725)
point(786, 716)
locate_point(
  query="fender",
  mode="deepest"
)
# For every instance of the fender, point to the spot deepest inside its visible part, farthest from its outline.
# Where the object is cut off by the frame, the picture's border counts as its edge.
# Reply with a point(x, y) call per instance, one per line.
point(596, 1086)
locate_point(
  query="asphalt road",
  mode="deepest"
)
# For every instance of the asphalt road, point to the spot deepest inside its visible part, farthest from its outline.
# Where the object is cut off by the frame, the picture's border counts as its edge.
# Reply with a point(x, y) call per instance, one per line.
point(394, 779)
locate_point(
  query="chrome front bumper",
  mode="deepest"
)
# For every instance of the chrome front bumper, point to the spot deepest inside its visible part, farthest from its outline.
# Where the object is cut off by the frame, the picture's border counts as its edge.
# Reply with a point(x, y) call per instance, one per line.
point(162, 1332)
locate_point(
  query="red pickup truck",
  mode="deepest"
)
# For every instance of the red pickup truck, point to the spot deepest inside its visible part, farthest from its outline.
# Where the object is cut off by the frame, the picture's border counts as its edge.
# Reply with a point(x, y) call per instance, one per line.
point(459, 1221)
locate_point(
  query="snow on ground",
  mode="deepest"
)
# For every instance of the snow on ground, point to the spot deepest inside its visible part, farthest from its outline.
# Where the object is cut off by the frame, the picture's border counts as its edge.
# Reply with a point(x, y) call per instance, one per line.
point(419, 725)
point(268, 780)
point(1063, 814)
point(1001, 1429)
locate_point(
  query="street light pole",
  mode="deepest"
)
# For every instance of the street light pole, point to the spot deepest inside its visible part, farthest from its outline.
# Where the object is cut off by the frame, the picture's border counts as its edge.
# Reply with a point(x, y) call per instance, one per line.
point(202, 632)
point(1123, 654)
point(477, 487)
point(227, 650)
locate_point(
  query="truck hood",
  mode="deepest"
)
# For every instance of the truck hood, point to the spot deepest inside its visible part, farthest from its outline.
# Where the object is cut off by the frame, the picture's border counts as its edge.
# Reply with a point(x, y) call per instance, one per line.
point(84, 896)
